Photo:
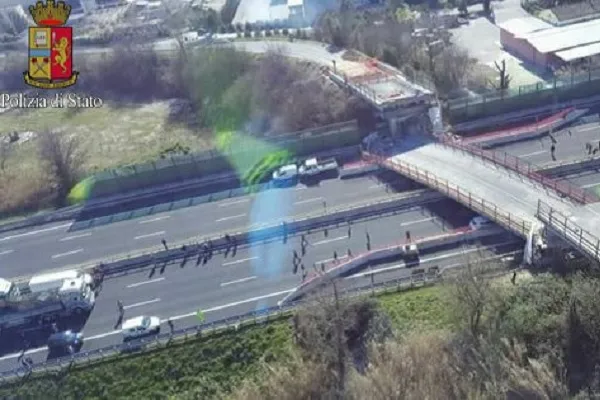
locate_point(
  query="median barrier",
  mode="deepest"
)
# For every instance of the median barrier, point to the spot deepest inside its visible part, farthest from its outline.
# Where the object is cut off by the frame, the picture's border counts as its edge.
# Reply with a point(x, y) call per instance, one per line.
point(426, 244)
point(108, 353)
point(267, 232)
point(570, 167)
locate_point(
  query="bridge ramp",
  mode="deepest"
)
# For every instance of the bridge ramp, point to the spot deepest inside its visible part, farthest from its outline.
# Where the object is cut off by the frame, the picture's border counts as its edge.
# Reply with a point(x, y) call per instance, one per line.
point(503, 188)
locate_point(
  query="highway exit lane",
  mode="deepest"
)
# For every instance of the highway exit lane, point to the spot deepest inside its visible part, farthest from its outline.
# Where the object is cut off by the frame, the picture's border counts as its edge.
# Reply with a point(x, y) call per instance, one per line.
point(233, 303)
point(32, 251)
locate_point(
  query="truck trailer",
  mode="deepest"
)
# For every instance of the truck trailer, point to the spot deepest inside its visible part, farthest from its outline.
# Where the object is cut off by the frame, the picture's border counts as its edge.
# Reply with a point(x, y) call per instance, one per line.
point(44, 299)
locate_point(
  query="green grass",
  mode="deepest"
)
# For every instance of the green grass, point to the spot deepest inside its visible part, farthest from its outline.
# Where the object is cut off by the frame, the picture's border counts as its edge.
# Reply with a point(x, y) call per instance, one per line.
point(204, 366)
point(207, 366)
point(418, 309)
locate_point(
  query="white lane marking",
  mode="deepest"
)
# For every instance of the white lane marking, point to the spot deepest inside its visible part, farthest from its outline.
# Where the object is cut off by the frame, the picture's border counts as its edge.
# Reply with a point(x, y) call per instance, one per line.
point(419, 221)
point(65, 239)
point(375, 186)
point(175, 318)
point(141, 303)
point(238, 281)
point(331, 259)
point(147, 221)
point(149, 235)
point(239, 261)
point(330, 240)
point(535, 153)
point(145, 282)
point(590, 185)
point(301, 188)
point(232, 217)
point(35, 232)
point(5, 252)
point(230, 203)
point(68, 253)
point(309, 200)
point(587, 128)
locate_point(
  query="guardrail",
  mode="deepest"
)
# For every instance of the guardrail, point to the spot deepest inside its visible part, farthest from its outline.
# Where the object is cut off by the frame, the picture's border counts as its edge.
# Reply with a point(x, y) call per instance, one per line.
point(526, 169)
point(502, 218)
point(235, 322)
point(585, 241)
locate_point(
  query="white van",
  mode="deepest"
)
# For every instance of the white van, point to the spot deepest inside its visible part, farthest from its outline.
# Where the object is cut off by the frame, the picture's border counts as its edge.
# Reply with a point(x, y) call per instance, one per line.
point(479, 222)
point(140, 326)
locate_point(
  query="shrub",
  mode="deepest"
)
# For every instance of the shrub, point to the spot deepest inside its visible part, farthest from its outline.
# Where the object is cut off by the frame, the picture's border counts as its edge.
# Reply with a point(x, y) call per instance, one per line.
point(285, 32)
point(268, 33)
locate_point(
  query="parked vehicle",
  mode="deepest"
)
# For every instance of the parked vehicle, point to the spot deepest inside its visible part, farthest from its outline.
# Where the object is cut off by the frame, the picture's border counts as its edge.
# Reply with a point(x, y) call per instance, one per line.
point(135, 328)
point(480, 222)
point(44, 299)
point(66, 342)
point(310, 169)
point(410, 253)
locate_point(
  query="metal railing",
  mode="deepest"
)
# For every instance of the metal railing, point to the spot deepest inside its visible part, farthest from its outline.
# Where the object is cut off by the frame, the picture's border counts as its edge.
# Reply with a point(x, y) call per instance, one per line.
point(233, 322)
point(503, 218)
point(527, 169)
point(585, 241)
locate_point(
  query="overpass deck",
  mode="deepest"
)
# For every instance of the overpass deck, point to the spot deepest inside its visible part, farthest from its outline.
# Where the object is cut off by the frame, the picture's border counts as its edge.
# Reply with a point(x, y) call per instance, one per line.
point(508, 194)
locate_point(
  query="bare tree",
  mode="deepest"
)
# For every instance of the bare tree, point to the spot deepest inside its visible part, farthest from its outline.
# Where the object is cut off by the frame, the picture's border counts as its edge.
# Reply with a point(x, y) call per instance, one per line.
point(64, 158)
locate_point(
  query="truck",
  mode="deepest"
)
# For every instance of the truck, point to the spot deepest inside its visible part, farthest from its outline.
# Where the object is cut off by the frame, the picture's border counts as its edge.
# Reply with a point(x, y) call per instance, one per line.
point(44, 299)
point(308, 170)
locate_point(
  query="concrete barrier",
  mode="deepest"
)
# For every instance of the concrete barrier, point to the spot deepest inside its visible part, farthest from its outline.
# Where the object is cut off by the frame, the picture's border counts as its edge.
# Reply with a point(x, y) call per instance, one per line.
point(571, 166)
point(528, 132)
point(424, 245)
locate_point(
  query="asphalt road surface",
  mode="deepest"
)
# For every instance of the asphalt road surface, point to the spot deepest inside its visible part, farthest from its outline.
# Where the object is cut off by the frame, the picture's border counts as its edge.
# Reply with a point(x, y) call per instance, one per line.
point(51, 246)
point(255, 278)
point(568, 147)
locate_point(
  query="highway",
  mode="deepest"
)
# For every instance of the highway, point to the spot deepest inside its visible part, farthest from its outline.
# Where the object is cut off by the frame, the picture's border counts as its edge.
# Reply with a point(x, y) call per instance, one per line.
point(255, 278)
point(568, 147)
point(51, 246)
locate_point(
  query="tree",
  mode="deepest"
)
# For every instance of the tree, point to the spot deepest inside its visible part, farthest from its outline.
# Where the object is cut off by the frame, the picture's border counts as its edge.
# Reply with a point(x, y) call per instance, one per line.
point(64, 158)
point(504, 78)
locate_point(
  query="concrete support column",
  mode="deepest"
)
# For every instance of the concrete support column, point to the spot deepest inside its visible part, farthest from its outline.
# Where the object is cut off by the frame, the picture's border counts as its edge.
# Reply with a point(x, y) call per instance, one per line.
point(394, 126)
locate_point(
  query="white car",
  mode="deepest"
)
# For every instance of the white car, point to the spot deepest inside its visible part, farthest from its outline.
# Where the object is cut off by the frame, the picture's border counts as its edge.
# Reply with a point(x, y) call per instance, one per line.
point(479, 222)
point(140, 326)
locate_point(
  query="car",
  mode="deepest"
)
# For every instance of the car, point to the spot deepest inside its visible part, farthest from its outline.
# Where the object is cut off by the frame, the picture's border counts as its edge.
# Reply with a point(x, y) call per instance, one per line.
point(286, 174)
point(141, 326)
point(479, 222)
point(65, 342)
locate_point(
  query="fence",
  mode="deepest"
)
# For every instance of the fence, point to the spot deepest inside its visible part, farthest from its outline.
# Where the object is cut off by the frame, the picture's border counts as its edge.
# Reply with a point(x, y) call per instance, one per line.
point(559, 89)
point(235, 322)
point(571, 232)
point(184, 167)
point(503, 218)
point(525, 168)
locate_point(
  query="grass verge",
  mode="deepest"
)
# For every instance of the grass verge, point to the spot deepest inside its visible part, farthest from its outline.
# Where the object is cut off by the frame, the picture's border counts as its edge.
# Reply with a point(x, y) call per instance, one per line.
point(208, 365)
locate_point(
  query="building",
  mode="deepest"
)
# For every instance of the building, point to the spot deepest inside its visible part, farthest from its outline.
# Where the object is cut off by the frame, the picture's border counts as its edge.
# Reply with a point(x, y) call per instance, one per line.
point(545, 46)
point(296, 9)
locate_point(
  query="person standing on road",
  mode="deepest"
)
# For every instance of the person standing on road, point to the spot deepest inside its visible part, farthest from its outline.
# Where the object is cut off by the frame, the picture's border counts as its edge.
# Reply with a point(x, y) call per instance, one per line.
point(164, 243)
point(171, 326)
point(552, 152)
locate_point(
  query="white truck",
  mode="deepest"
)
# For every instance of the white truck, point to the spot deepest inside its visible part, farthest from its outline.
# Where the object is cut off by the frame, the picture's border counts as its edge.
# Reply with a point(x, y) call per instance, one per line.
point(309, 169)
point(45, 298)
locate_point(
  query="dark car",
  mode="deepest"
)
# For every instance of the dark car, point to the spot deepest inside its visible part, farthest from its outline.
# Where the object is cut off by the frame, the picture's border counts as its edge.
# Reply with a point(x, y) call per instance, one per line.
point(66, 342)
